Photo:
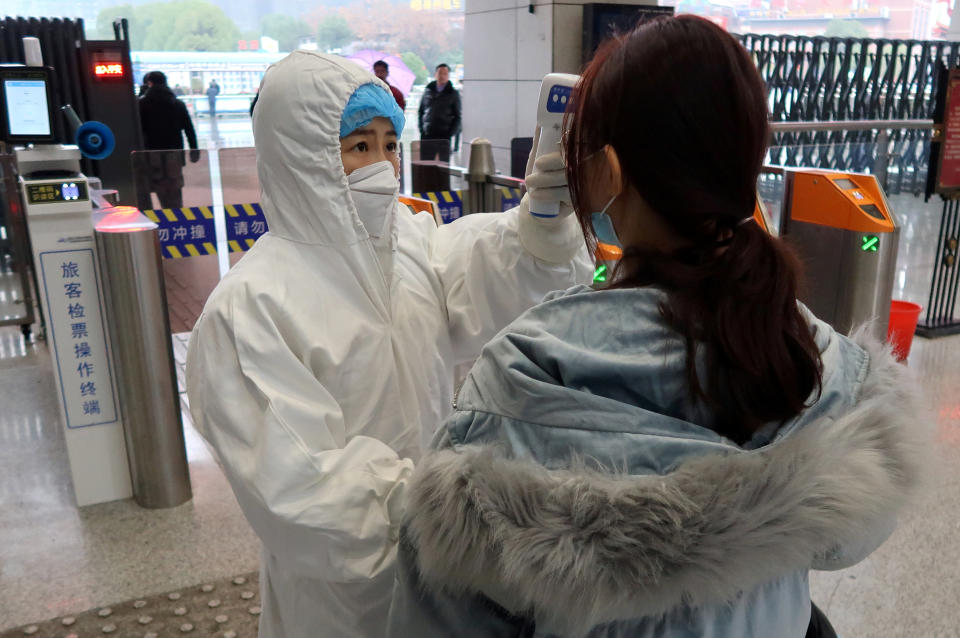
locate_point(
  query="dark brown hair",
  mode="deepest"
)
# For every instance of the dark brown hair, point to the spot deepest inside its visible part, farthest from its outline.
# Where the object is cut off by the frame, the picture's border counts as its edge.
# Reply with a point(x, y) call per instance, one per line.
point(684, 107)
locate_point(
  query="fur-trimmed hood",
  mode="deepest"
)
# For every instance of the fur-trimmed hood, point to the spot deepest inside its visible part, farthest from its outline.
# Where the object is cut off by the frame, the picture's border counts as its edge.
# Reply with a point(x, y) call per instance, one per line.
point(577, 547)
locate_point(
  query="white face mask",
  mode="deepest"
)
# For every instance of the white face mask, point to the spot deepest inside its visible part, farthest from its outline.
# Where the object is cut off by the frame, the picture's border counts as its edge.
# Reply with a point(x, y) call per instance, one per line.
point(374, 190)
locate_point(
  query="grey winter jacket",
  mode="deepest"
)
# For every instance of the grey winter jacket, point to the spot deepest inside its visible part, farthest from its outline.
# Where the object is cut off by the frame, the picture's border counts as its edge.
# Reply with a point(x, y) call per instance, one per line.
point(578, 491)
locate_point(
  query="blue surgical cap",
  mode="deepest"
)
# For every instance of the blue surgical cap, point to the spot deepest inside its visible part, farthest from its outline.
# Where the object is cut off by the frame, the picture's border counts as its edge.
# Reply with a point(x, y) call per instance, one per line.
point(367, 102)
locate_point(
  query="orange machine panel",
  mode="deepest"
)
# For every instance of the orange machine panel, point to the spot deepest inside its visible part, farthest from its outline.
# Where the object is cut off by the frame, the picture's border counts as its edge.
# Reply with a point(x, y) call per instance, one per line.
point(840, 200)
point(422, 206)
point(759, 216)
point(608, 252)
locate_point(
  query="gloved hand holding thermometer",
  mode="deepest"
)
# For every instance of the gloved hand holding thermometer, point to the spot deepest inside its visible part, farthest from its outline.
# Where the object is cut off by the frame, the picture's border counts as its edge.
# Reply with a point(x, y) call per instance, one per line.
point(545, 179)
point(547, 202)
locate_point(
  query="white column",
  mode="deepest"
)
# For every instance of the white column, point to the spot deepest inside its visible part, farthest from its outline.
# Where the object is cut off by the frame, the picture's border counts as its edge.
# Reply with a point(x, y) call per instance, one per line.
point(507, 51)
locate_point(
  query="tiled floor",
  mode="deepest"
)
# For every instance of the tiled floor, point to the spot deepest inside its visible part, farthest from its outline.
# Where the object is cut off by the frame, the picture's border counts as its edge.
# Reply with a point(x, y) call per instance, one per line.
point(188, 283)
point(910, 586)
point(57, 559)
point(13, 308)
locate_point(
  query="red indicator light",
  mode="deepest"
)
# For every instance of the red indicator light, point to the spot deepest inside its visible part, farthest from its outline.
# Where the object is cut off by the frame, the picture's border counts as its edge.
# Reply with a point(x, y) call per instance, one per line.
point(123, 219)
point(108, 70)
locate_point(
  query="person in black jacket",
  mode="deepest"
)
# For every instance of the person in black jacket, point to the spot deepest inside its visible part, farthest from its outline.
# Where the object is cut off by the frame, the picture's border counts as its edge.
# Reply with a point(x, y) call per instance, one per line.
point(164, 120)
point(439, 115)
point(212, 92)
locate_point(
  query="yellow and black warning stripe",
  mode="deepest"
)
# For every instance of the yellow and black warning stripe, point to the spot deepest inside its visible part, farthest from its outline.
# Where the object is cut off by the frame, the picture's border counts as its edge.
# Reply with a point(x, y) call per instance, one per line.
point(185, 232)
point(441, 197)
point(237, 247)
point(174, 215)
point(240, 210)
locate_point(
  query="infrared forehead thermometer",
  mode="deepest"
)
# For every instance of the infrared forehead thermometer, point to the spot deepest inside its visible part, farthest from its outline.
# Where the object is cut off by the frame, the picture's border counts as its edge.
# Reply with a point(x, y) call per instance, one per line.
point(555, 95)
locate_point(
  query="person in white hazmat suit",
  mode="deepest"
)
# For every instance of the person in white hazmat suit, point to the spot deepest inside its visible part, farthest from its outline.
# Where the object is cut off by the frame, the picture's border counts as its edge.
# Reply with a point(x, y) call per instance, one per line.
point(324, 360)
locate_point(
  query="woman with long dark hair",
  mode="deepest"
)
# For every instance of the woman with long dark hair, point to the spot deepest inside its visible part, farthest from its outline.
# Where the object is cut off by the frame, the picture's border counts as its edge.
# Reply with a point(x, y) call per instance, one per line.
point(669, 456)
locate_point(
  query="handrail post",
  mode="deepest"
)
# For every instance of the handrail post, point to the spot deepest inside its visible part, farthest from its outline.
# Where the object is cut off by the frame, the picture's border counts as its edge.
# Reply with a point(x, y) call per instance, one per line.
point(882, 160)
point(481, 166)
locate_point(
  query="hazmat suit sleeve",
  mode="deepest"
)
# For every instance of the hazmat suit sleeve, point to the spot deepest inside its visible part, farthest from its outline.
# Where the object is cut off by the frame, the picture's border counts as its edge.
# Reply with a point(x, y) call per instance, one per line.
point(322, 505)
point(490, 276)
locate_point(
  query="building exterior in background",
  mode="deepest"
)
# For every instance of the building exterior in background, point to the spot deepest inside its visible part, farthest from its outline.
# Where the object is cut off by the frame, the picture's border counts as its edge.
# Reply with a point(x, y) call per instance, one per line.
point(801, 21)
point(85, 9)
point(236, 72)
point(436, 5)
point(724, 13)
point(900, 19)
point(246, 14)
point(894, 19)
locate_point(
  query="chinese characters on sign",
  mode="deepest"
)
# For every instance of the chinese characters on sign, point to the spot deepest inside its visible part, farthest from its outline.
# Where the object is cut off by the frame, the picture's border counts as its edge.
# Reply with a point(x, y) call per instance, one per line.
point(509, 198)
point(45, 193)
point(949, 177)
point(79, 337)
point(191, 232)
point(185, 232)
point(450, 212)
point(450, 203)
point(108, 70)
point(245, 225)
point(249, 229)
point(180, 233)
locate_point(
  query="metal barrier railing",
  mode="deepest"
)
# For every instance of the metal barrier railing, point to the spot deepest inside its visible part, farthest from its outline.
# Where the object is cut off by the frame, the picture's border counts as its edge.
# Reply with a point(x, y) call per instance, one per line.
point(903, 145)
point(18, 286)
point(193, 194)
point(487, 189)
point(819, 78)
point(851, 80)
point(878, 156)
point(191, 216)
point(849, 125)
point(194, 228)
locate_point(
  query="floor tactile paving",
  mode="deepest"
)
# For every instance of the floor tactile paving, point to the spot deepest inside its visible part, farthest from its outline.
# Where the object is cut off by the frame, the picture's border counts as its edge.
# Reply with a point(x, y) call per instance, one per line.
point(229, 607)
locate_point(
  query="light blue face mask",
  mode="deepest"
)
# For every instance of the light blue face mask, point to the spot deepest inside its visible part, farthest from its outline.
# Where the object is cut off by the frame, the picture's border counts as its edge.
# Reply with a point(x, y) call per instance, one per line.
point(603, 226)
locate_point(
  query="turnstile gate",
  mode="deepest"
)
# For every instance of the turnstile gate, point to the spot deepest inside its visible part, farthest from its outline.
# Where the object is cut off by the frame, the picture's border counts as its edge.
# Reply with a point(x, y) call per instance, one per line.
point(842, 227)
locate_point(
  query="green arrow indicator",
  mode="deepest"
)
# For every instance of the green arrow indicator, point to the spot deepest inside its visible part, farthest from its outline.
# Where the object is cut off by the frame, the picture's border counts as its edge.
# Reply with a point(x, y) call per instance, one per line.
point(869, 244)
point(600, 275)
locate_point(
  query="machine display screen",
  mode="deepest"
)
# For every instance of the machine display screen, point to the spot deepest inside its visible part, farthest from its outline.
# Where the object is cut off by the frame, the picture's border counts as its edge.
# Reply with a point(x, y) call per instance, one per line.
point(603, 20)
point(845, 184)
point(57, 192)
point(28, 113)
point(108, 65)
point(25, 103)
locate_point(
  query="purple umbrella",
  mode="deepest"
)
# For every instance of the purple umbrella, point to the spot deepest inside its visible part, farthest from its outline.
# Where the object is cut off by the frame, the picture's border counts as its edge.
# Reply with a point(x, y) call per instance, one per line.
point(400, 76)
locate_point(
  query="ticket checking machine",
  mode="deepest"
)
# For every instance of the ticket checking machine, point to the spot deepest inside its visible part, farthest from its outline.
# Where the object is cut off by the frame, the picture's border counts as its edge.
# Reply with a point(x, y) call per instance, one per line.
point(59, 213)
point(842, 228)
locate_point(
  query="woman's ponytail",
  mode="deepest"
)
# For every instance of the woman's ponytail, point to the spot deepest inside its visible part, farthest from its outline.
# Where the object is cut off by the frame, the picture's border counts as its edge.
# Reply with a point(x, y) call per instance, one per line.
point(762, 363)
point(684, 107)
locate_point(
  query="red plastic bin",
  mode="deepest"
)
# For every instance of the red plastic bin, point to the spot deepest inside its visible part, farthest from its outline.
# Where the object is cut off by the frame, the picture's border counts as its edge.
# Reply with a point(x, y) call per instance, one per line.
point(903, 323)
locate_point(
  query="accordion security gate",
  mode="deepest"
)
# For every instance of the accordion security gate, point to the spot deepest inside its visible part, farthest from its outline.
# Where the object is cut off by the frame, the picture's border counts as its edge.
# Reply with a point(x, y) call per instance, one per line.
point(812, 79)
point(836, 79)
